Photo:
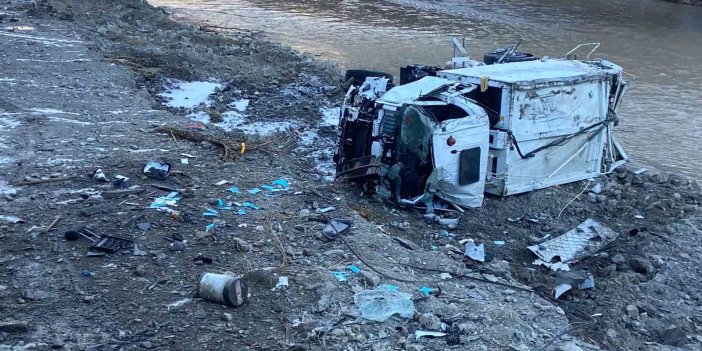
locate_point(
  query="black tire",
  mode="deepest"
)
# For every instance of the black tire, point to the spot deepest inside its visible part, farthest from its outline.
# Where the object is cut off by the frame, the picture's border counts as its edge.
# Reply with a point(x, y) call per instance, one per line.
point(74, 232)
point(360, 75)
point(492, 57)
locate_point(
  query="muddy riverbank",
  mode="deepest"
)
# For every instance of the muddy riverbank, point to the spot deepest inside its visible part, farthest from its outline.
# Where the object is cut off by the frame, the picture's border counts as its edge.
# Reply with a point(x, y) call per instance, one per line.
point(88, 85)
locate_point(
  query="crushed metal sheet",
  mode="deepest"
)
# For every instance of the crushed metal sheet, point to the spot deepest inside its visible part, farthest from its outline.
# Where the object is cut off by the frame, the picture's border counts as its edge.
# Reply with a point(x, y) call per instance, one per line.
point(578, 243)
point(566, 281)
point(475, 252)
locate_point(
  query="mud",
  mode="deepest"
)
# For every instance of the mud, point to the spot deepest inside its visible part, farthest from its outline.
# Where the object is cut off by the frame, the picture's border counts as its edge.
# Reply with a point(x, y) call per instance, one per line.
point(83, 89)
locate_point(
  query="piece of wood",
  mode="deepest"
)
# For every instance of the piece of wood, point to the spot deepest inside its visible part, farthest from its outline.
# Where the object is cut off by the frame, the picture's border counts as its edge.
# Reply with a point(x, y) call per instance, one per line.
point(230, 146)
point(52, 224)
point(113, 194)
point(42, 181)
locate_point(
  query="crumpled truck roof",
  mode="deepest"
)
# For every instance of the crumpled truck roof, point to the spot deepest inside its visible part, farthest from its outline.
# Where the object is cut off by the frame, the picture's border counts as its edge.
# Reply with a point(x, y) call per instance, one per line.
point(539, 70)
point(411, 91)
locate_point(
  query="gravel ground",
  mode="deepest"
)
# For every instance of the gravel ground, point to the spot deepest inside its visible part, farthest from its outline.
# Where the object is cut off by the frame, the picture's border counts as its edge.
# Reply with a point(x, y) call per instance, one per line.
point(81, 88)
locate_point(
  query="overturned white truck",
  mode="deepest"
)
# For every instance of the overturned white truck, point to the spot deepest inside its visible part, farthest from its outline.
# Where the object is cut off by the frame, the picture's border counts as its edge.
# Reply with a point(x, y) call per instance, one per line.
point(501, 129)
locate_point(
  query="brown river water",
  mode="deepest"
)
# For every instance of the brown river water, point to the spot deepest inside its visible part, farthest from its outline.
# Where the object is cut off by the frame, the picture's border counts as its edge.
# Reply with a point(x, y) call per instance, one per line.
point(658, 43)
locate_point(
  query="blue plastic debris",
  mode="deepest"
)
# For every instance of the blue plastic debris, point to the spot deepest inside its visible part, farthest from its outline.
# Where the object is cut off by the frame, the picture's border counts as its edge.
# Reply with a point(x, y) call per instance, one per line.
point(162, 202)
point(354, 269)
point(241, 212)
point(250, 205)
point(210, 227)
point(235, 190)
point(88, 273)
point(499, 242)
point(282, 183)
point(447, 234)
point(223, 206)
point(210, 212)
point(268, 187)
point(341, 276)
point(254, 191)
point(426, 291)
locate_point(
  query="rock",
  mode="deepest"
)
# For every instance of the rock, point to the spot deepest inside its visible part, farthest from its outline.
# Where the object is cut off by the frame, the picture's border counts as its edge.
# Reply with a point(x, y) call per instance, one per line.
point(673, 336)
point(304, 213)
point(642, 266)
point(31, 294)
point(178, 246)
point(58, 343)
point(370, 278)
point(147, 345)
point(227, 317)
point(414, 347)
point(632, 311)
point(592, 197)
point(601, 199)
point(14, 327)
point(242, 245)
point(618, 258)
point(430, 321)
point(597, 189)
point(140, 270)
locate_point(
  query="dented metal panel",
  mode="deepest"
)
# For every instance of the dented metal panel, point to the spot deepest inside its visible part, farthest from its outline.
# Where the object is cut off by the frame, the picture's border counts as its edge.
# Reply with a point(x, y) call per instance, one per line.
point(582, 241)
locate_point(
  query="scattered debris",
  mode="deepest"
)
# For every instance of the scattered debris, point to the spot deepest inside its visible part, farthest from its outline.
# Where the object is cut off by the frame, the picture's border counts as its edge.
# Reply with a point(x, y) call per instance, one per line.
point(157, 170)
point(422, 333)
point(341, 276)
point(138, 252)
point(282, 283)
point(199, 259)
point(567, 280)
point(382, 303)
point(584, 240)
point(100, 176)
point(475, 252)
point(113, 194)
point(99, 242)
point(223, 289)
point(336, 227)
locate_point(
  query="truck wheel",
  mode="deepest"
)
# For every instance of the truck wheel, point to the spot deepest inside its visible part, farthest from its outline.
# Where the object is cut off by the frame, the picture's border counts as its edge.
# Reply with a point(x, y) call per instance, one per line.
point(361, 75)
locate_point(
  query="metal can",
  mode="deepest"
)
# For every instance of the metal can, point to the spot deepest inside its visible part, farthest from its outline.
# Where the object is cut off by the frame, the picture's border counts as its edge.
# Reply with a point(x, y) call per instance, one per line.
point(223, 289)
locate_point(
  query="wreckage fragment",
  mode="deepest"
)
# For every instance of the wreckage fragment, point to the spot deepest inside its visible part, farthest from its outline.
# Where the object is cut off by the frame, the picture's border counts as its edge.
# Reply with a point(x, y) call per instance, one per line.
point(568, 280)
point(583, 241)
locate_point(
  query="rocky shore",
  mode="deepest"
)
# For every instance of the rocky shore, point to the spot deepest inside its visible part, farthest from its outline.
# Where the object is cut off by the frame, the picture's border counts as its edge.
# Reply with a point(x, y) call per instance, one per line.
point(112, 85)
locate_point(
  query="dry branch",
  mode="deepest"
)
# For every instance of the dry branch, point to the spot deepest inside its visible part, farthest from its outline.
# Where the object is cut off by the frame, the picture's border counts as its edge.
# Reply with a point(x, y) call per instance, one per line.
point(231, 147)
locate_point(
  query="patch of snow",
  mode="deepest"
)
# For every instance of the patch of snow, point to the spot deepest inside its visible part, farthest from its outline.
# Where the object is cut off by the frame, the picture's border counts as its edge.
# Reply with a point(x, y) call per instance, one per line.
point(240, 105)
point(199, 117)
point(330, 116)
point(8, 123)
point(7, 189)
point(5, 125)
point(52, 111)
point(190, 94)
point(233, 120)
point(68, 120)
point(307, 138)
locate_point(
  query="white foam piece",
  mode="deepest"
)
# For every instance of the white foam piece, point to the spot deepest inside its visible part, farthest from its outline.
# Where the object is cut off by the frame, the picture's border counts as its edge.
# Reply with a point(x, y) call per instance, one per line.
point(190, 94)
